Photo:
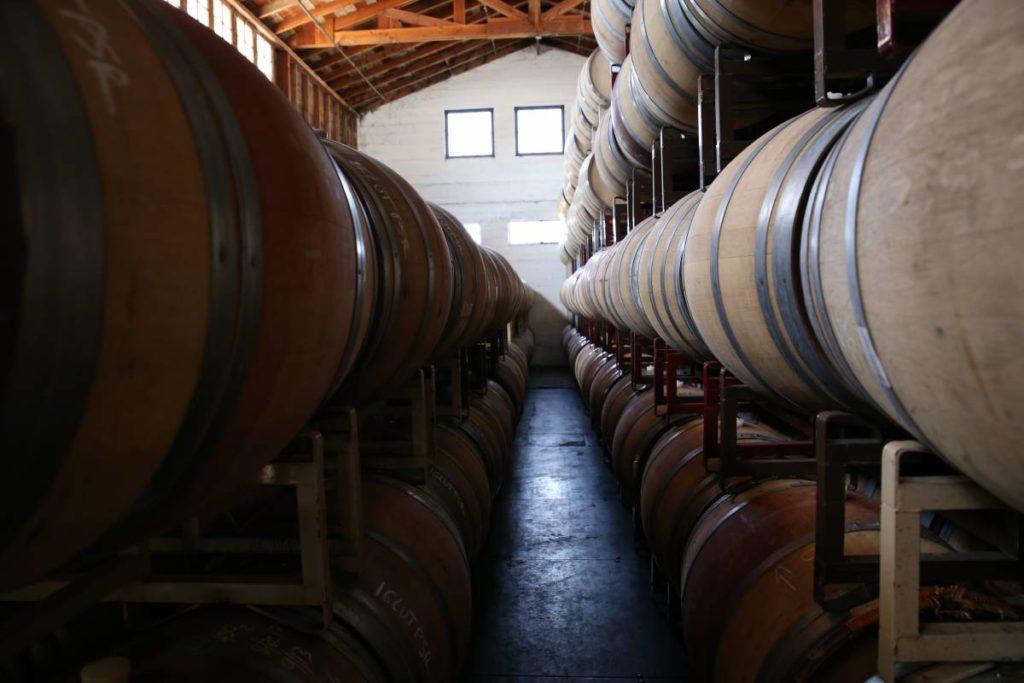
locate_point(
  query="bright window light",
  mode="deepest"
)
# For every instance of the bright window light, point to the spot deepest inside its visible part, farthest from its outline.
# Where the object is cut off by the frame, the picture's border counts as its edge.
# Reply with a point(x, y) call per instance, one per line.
point(474, 231)
point(469, 133)
point(222, 20)
point(536, 232)
point(265, 57)
point(199, 9)
point(539, 130)
point(244, 38)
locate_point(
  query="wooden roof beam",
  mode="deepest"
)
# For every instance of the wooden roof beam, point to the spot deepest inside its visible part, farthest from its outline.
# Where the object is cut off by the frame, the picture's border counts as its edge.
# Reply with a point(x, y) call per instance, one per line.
point(495, 29)
point(384, 68)
point(455, 69)
point(413, 68)
point(502, 7)
point(560, 9)
point(336, 23)
point(414, 19)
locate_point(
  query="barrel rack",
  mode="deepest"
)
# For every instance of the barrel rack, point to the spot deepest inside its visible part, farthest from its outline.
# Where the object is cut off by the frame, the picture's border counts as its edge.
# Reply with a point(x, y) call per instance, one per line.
point(830, 446)
point(330, 455)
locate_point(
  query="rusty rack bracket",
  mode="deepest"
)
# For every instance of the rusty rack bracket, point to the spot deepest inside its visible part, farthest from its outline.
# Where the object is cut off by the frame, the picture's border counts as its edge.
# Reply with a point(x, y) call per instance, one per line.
point(130, 578)
point(667, 401)
point(641, 353)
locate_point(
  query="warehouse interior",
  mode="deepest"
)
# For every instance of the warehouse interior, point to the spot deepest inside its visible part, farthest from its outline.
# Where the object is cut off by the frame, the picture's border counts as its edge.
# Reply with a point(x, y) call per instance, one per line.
point(512, 340)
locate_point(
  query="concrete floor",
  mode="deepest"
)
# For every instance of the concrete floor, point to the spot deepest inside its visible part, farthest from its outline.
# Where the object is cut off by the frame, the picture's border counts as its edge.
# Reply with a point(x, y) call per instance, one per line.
point(560, 593)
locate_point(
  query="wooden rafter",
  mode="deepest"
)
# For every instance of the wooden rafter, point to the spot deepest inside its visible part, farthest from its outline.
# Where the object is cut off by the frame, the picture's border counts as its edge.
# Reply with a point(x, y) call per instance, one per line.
point(504, 8)
point(455, 69)
point(561, 8)
point(415, 68)
point(319, 12)
point(491, 30)
point(414, 19)
point(380, 69)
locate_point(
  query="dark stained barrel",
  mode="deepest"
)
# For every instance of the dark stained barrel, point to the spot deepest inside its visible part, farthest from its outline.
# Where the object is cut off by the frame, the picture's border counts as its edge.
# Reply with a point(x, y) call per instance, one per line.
point(183, 328)
point(469, 290)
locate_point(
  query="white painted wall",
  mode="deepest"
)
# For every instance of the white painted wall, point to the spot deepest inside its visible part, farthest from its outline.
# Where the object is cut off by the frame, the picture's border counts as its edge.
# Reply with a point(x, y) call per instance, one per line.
point(408, 135)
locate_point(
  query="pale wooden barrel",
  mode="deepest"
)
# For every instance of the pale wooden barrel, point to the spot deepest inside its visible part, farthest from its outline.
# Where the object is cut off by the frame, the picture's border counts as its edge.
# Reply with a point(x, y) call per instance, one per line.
point(594, 86)
point(609, 18)
point(628, 280)
point(926, 314)
point(612, 169)
point(742, 277)
point(661, 280)
point(583, 127)
point(633, 125)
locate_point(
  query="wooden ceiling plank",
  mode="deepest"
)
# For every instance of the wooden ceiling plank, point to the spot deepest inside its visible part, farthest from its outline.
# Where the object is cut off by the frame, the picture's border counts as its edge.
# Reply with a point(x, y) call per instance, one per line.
point(459, 11)
point(319, 12)
point(487, 31)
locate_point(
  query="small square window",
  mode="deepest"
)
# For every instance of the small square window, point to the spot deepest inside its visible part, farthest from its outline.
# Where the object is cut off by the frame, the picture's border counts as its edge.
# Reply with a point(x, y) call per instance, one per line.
point(199, 9)
point(540, 130)
point(474, 231)
point(536, 232)
point(469, 133)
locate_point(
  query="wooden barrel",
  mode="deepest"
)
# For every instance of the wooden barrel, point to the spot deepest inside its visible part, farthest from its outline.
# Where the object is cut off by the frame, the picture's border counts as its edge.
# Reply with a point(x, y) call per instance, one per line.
point(459, 480)
point(932, 285)
point(747, 579)
point(619, 396)
point(416, 566)
point(583, 126)
point(594, 86)
point(589, 373)
point(166, 254)
point(634, 124)
point(640, 426)
point(416, 273)
point(610, 18)
point(609, 374)
point(469, 290)
point(742, 267)
point(212, 644)
point(512, 377)
point(660, 286)
point(675, 488)
point(628, 280)
point(612, 169)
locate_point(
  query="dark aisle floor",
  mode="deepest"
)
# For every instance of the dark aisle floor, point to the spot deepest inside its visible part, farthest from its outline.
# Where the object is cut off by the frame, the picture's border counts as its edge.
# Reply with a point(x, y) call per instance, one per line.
point(559, 592)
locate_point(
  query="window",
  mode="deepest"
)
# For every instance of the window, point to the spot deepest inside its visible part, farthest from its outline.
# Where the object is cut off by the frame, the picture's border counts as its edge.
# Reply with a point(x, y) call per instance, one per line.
point(199, 9)
point(222, 20)
point(540, 130)
point(265, 57)
point(244, 38)
point(469, 133)
point(474, 231)
point(536, 232)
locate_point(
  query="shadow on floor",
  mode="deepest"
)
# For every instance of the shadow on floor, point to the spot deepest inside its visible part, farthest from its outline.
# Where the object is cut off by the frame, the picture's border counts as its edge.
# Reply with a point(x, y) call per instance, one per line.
point(560, 593)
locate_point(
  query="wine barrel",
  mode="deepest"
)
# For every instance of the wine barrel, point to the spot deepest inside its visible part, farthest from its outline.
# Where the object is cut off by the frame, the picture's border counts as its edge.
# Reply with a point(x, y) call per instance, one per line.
point(912, 279)
point(468, 290)
point(609, 374)
point(459, 480)
point(747, 578)
point(167, 256)
point(213, 644)
point(640, 426)
point(416, 273)
point(512, 377)
point(660, 286)
point(619, 396)
point(613, 171)
point(589, 372)
point(675, 488)
point(594, 86)
point(610, 18)
point(628, 280)
point(634, 125)
point(742, 268)
point(583, 126)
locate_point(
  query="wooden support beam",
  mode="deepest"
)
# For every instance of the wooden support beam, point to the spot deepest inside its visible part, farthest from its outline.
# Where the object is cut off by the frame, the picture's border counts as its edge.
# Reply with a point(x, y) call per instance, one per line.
point(487, 55)
point(502, 7)
point(276, 7)
point(560, 9)
point(414, 19)
point(412, 68)
point(459, 11)
point(319, 12)
point(412, 57)
point(362, 14)
point(491, 30)
point(534, 12)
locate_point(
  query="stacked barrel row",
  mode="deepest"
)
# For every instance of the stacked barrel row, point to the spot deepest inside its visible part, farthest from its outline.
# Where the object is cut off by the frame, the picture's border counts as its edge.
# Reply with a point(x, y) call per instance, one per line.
point(406, 617)
point(860, 257)
point(190, 274)
point(738, 555)
point(661, 49)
